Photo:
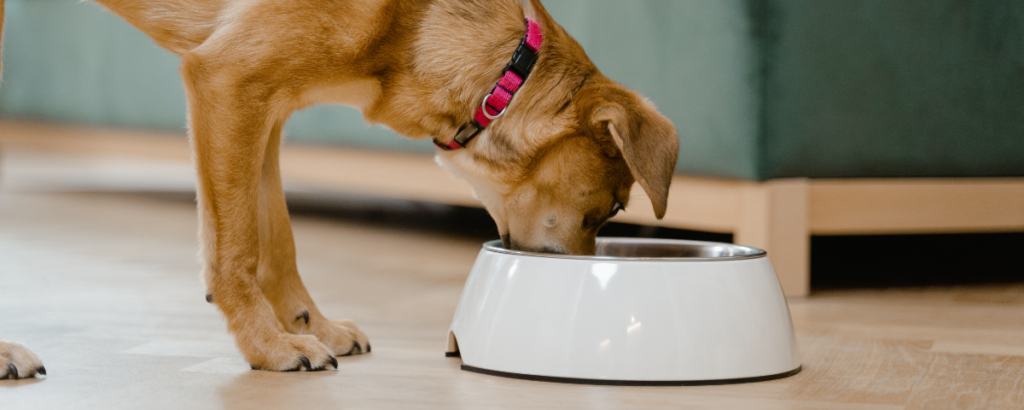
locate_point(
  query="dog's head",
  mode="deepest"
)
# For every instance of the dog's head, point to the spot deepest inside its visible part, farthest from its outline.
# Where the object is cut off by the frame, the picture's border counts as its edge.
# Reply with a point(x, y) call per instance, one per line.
point(563, 158)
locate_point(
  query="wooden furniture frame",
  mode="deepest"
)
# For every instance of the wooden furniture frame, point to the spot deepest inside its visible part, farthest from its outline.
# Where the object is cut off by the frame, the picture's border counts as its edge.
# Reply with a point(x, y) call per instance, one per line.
point(780, 215)
point(776, 215)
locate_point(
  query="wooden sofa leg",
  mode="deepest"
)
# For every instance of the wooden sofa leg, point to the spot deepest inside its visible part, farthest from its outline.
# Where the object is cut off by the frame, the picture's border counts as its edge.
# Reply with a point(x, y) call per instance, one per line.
point(774, 217)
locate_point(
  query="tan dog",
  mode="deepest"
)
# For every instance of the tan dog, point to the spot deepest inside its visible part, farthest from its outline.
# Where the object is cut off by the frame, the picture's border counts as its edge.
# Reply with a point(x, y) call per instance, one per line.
point(551, 171)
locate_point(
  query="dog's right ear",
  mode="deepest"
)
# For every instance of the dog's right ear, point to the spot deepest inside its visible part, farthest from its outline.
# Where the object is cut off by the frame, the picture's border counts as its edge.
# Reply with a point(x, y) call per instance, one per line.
point(647, 140)
point(537, 10)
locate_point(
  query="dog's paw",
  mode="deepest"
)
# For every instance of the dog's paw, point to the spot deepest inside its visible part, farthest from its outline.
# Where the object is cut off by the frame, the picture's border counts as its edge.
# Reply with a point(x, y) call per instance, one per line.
point(17, 362)
point(291, 353)
point(342, 337)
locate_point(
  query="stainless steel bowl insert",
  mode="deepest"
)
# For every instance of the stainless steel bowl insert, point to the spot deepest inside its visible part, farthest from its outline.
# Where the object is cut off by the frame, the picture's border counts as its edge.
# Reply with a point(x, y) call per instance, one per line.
point(646, 249)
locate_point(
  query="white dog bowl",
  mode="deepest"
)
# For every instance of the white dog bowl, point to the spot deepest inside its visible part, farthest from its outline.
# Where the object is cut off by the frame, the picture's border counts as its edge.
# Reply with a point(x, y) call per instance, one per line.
point(641, 312)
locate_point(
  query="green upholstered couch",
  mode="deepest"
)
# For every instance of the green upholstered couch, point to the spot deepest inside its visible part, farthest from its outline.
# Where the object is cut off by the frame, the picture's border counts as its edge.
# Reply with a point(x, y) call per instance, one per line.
point(758, 89)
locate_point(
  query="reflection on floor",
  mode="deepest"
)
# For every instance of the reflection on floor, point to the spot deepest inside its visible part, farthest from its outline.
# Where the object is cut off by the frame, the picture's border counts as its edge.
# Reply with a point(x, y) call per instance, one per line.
point(103, 284)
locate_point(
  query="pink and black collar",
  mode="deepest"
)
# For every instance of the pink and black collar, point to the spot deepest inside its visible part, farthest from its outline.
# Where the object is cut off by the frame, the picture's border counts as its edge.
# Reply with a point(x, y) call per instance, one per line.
point(497, 100)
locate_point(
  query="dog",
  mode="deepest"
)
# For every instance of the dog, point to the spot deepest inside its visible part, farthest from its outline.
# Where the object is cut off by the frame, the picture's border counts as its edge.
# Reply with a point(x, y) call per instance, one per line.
point(552, 158)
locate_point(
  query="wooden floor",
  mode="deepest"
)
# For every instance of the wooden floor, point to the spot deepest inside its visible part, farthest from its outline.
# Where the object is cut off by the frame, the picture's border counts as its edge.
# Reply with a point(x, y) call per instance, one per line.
point(101, 280)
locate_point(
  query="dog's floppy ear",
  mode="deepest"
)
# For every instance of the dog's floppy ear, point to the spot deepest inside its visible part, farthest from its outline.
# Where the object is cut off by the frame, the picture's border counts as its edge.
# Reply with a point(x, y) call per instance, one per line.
point(647, 140)
point(537, 10)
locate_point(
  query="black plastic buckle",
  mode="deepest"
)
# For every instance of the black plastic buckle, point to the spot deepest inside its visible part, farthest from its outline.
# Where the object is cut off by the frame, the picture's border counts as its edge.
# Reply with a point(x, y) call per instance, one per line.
point(523, 60)
point(467, 133)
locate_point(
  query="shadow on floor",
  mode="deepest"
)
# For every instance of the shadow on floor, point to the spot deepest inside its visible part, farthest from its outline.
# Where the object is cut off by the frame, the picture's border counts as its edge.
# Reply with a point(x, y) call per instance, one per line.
point(839, 262)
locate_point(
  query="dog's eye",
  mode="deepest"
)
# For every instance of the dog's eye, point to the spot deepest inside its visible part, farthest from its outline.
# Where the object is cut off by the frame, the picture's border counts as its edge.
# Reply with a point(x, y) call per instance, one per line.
point(616, 207)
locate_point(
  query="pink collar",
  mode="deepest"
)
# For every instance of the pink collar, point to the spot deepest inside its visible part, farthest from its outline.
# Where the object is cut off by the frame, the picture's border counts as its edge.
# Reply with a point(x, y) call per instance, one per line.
point(497, 100)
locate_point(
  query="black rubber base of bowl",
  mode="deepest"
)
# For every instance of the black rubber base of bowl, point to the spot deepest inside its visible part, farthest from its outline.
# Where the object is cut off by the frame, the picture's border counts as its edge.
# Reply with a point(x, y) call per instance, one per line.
point(602, 382)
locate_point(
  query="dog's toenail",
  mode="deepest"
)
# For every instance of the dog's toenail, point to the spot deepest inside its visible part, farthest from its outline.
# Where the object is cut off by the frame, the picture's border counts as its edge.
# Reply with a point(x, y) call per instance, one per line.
point(12, 371)
point(41, 370)
point(356, 349)
point(305, 362)
point(334, 362)
point(209, 298)
point(368, 348)
point(254, 367)
point(304, 315)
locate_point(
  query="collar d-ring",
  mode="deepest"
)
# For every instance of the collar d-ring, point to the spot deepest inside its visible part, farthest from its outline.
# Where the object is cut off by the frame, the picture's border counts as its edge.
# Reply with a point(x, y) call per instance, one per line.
point(483, 107)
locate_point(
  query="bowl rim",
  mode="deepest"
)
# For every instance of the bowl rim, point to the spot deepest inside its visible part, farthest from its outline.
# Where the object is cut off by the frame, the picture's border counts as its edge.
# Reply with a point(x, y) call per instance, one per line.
point(753, 253)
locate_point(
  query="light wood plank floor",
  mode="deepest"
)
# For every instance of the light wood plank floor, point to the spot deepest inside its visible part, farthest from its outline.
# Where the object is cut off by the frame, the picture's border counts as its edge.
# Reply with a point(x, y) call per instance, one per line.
point(102, 282)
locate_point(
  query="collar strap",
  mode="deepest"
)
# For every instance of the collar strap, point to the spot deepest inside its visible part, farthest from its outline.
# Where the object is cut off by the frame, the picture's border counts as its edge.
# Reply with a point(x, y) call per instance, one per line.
point(495, 103)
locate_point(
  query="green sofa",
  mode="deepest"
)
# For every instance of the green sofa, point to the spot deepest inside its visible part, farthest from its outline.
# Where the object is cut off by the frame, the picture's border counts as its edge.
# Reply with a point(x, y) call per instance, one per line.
point(758, 89)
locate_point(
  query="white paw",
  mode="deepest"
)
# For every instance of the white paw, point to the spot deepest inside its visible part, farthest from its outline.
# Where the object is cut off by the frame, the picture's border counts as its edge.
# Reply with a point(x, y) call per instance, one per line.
point(17, 362)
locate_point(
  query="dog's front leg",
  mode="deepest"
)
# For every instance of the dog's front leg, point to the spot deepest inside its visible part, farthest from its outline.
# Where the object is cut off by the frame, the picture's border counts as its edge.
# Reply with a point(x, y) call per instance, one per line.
point(278, 274)
point(232, 114)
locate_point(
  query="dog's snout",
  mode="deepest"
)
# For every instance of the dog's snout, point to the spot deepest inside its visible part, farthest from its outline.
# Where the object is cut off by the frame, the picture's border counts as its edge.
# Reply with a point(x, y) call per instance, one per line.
point(508, 243)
